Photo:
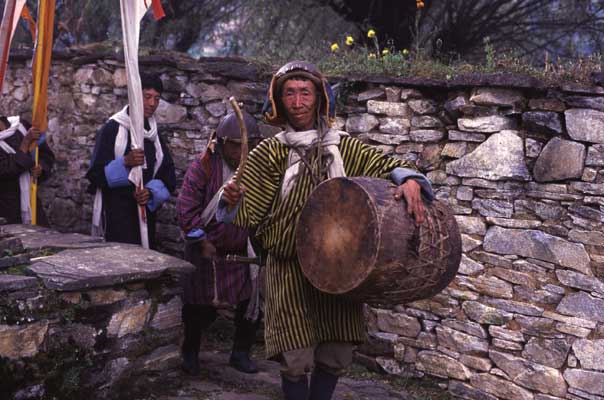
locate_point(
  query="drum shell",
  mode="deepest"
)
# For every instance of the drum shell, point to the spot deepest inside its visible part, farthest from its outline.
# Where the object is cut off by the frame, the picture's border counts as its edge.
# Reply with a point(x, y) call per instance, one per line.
point(394, 263)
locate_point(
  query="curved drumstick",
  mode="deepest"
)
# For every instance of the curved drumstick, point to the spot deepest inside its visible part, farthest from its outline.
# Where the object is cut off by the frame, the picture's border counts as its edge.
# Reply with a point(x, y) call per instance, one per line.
point(244, 144)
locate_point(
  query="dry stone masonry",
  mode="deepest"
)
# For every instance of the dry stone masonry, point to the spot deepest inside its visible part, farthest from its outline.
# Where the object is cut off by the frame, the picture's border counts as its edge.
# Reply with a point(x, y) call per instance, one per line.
point(80, 317)
point(521, 164)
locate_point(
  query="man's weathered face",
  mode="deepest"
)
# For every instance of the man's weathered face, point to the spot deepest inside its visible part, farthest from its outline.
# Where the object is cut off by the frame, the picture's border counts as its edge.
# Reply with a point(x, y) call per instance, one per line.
point(150, 101)
point(299, 99)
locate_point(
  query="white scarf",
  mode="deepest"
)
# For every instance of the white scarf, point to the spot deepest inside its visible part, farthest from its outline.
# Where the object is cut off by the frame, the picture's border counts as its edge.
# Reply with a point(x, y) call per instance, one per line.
point(25, 177)
point(303, 141)
point(119, 149)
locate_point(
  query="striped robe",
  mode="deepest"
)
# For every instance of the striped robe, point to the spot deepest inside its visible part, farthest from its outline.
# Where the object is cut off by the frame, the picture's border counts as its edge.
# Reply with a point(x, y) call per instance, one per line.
point(298, 315)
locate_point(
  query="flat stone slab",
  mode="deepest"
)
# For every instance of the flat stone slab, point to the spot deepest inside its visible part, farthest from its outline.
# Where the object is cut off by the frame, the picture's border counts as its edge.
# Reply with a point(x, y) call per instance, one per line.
point(36, 237)
point(7, 262)
point(9, 283)
point(115, 263)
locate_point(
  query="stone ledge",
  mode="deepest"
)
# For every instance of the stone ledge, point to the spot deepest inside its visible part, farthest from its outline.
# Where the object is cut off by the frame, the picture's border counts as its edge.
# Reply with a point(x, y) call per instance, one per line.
point(104, 266)
point(10, 283)
point(35, 238)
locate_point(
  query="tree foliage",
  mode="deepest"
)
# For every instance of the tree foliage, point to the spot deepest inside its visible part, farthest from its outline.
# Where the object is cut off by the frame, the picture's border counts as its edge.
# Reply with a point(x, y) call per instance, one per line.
point(285, 29)
point(560, 27)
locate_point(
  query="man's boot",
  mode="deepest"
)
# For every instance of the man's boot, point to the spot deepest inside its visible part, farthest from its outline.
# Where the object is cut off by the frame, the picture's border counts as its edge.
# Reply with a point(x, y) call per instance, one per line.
point(240, 360)
point(245, 336)
point(322, 384)
point(297, 390)
point(191, 343)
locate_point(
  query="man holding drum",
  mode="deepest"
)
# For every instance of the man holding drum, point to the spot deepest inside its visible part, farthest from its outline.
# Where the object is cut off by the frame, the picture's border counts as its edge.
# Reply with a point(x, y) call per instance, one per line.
point(306, 330)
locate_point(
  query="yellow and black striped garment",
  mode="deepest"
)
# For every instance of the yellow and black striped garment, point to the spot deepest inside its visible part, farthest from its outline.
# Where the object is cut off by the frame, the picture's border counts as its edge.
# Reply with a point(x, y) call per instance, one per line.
point(297, 314)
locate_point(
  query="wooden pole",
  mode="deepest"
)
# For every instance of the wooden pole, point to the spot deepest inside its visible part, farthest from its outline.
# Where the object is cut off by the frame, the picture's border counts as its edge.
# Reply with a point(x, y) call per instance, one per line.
point(40, 73)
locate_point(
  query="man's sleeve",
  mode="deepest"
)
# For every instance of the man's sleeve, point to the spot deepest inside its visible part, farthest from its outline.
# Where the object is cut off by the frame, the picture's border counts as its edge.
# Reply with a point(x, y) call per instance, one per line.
point(189, 204)
point(102, 155)
point(13, 165)
point(400, 175)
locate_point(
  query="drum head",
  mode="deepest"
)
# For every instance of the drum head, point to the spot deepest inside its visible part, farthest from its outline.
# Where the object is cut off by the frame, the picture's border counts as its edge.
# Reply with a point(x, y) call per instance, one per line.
point(337, 236)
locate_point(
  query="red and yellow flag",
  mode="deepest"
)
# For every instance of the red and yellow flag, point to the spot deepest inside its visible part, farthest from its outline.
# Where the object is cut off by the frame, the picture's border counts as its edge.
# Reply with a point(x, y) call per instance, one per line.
point(41, 66)
point(25, 14)
point(10, 18)
point(40, 73)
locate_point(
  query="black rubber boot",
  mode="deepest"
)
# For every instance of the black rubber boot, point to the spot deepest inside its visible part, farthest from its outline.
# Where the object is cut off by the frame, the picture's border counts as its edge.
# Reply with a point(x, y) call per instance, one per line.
point(191, 343)
point(240, 360)
point(322, 384)
point(295, 390)
point(245, 336)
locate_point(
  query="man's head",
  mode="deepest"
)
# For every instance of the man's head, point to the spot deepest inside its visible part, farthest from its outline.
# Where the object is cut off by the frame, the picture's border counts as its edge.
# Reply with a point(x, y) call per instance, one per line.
point(299, 95)
point(152, 90)
point(228, 135)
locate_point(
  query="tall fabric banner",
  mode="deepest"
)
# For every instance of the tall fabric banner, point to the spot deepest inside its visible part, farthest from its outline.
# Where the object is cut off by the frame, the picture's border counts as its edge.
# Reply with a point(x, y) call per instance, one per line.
point(40, 73)
point(10, 18)
point(132, 12)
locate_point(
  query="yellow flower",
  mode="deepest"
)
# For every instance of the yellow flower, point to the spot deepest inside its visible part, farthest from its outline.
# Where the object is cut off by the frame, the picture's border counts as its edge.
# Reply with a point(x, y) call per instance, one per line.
point(371, 55)
point(371, 33)
point(335, 47)
point(405, 52)
point(349, 40)
point(385, 51)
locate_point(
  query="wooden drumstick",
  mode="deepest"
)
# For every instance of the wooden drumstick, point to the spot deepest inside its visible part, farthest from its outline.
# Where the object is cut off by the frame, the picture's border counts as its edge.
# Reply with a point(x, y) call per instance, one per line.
point(244, 144)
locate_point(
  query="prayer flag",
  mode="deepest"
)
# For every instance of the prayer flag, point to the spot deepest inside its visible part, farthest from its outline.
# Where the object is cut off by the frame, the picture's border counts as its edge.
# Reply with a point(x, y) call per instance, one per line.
point(10, 18)
point(40, 73)
point(132, 12)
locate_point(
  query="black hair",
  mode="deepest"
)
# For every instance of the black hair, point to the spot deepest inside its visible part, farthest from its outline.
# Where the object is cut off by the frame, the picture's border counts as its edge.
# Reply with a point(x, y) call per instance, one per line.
point(4, 120)
point(152, 81)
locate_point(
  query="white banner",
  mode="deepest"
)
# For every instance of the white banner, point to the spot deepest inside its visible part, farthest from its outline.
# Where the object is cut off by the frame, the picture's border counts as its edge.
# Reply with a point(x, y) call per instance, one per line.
point(132, 12)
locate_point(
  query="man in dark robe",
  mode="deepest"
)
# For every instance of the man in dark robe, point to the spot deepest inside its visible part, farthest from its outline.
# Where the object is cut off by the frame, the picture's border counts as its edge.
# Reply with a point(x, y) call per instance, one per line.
point(17, 168)
point(117, 201)
point(216, 281)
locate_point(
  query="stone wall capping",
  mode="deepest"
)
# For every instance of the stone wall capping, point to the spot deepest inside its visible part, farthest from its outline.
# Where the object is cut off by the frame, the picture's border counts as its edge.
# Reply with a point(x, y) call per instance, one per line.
point(581, 88)
point(11, 283)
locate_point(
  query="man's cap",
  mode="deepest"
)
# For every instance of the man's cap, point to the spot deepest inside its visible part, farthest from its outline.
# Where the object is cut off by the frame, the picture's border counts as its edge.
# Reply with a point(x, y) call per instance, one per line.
point(228, 127)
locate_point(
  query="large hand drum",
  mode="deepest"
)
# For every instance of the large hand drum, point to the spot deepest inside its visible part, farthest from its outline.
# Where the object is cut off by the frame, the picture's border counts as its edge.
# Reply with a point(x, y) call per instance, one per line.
point(354, 239)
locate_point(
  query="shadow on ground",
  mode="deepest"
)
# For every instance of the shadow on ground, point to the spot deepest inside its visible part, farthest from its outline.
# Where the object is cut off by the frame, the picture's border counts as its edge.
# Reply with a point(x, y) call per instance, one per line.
point(218, 381)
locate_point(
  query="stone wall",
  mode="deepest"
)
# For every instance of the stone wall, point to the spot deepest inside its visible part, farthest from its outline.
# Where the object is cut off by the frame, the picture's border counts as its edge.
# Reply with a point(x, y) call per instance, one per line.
point(521, 164)
point(78, 321)
point(85, 90)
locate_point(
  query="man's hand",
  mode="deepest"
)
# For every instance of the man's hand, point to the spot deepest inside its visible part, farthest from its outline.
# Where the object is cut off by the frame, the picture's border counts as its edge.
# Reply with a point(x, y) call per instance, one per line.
point(142, 196)
point(411, 190)
point(134, 158)
point(32, 136)
point(232, 193)
point(208, 250)
point(36, 171)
